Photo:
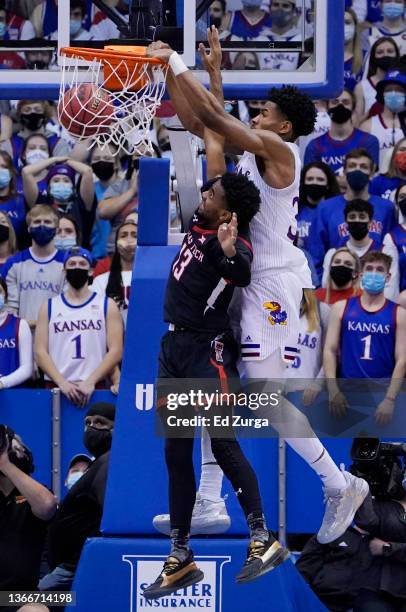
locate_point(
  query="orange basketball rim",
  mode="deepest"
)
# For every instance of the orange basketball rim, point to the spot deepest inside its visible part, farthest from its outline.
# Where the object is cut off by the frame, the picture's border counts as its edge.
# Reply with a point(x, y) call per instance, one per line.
point(124, 66)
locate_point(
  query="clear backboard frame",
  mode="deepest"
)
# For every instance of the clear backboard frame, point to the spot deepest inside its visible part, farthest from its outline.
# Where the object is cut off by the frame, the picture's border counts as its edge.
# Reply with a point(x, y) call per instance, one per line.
point(325, 81)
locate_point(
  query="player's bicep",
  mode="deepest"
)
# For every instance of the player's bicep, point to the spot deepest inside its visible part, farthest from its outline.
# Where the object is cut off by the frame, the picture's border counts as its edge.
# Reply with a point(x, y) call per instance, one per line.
point(238, 135)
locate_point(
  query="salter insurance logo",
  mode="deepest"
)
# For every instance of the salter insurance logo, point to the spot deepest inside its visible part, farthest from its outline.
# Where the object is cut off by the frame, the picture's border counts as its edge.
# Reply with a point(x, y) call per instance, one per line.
point(205, 595)
point(144, 396)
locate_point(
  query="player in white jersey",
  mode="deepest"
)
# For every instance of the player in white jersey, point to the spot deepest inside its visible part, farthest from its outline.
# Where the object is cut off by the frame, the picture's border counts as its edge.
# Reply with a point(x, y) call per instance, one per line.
point(79, 337)
point(279, 272)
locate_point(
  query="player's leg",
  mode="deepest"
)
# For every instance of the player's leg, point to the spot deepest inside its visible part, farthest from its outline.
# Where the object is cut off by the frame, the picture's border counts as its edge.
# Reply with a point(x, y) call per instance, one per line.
point(264, 552)
point(343, 491)
point(210, 514)
point(179, 568)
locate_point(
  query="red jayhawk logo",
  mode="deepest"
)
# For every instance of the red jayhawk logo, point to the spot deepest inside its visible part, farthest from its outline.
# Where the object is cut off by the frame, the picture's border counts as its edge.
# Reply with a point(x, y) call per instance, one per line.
point(277, 316)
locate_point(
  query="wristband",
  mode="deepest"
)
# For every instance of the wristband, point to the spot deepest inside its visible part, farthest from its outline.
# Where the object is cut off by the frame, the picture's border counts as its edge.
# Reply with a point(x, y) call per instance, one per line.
point(177, 64)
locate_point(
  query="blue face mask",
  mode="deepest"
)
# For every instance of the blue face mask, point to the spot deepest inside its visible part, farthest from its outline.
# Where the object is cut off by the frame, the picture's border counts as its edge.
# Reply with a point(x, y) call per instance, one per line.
point(42, 235)
point(395, 101)
point(3, 29)
point(61, 191)
point(393, 10)
point(64, 244)
point(2, 301)
point(252, 3)
point(5, 177)
point(373, 282)
point(357, 179)
point(74, 26)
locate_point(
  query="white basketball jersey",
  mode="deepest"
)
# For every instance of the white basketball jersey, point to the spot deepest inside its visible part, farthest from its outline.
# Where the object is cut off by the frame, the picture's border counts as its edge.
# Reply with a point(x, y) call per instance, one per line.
point(274, 227)
point(369, 92)
point(77, 335)
point(387, 136)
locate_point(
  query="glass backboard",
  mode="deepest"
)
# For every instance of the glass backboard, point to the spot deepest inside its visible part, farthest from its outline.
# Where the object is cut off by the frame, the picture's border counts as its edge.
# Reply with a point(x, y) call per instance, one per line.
point(276, 42)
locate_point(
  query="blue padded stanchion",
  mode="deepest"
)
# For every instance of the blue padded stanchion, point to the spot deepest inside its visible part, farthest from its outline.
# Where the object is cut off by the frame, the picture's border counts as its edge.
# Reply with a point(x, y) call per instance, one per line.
point(113, 572)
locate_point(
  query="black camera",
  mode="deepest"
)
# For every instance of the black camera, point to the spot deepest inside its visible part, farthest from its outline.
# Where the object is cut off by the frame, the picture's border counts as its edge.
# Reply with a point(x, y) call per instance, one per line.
point(24, 461)
point(381, 464)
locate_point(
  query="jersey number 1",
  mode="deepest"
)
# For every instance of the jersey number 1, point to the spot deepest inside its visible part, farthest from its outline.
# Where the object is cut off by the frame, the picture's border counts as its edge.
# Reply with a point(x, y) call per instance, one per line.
point(78, 347)
point(367, 348)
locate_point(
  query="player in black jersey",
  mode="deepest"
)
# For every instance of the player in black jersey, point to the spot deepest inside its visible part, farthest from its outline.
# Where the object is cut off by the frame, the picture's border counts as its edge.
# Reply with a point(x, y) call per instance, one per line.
point(215, 257)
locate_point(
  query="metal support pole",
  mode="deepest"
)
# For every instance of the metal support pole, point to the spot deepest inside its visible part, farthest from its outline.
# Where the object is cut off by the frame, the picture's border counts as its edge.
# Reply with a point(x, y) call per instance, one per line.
point(56, 443)
point(282, 491)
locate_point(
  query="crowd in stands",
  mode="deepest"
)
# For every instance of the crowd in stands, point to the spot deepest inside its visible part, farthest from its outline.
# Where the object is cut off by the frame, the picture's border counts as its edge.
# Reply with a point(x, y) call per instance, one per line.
point(68, 232)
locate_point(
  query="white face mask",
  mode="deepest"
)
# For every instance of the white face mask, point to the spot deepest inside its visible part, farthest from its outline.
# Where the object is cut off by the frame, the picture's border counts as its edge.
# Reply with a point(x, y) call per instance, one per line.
point(73, 478)
point(36, 155)
point(349, 31)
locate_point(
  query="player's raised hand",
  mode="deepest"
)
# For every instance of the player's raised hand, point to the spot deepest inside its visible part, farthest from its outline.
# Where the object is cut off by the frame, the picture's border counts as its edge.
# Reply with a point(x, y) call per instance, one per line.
point(160, 50)
point(227, 236)
point(212, 60)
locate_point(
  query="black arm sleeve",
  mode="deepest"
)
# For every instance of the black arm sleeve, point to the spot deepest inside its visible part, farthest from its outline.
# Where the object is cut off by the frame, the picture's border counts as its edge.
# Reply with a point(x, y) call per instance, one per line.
point(236, 269)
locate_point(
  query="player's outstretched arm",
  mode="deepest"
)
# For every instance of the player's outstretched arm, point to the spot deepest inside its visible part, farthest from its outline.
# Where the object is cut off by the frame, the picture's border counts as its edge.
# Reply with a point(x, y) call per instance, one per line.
point(212, 114)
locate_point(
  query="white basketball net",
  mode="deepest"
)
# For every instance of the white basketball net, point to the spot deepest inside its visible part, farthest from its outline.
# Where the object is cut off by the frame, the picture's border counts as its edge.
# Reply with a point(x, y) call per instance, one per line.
point(129, 113)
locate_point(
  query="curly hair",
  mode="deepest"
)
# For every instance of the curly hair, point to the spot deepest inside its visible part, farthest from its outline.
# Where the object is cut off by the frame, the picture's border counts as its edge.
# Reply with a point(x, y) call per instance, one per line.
point(242, 197)
point(297, 107)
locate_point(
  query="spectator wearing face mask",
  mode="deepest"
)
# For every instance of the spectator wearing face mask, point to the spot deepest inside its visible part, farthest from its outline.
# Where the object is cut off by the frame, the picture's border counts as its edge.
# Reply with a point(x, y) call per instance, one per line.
point(67, 233)
point(36, 149)
point(35, 274)
point(26, 508)
point(77, 467)
point(8, 241)
point(15, 346)
point(11, 203)
point(393, 24)
point(44, 16)
point(106, 167)
point(353, 55)
point(217, 13)
point(77, 362)
point(366, 338)
point(384, 54)
point(329, 228)
point(332, 147)
point(80, 513)
point(285, 28)
point(317, 183)
point(387, 126)
point(358, 217)
point(35, 118)
point(63, 194)
point(342, 282)
point(37, 59)
point(247, 23)
point(116, 284)
point(385, 185)
point(13, 27)
point(77, 30)
point(395, 246)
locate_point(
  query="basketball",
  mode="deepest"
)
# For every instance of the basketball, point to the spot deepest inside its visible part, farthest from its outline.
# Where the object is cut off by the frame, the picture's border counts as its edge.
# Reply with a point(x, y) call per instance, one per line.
point(86, 110)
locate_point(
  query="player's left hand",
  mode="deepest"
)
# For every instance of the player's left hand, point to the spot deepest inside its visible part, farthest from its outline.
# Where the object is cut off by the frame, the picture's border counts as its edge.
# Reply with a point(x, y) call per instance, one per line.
point(160, 50)
point(376, 547)
point(212, 60)
point(384, 412)
point(227, 236)
point(86, 389)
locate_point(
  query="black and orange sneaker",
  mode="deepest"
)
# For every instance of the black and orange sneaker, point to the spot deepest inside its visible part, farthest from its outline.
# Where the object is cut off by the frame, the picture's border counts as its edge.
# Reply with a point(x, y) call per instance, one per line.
point(262, 557)
point(176, 574)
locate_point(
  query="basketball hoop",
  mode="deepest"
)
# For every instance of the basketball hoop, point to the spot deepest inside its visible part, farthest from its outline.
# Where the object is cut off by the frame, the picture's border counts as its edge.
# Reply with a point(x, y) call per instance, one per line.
point(111, 95)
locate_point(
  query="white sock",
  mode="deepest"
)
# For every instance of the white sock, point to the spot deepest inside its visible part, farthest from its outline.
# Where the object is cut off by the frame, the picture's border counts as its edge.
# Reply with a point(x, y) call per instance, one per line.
point(317, 457)
point(211, 478)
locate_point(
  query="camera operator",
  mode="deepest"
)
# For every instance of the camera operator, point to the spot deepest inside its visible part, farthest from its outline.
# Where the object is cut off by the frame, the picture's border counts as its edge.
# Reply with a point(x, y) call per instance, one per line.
point(385, 521)
point(80, 513)
point(25, 509)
